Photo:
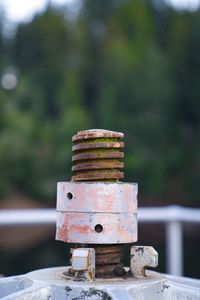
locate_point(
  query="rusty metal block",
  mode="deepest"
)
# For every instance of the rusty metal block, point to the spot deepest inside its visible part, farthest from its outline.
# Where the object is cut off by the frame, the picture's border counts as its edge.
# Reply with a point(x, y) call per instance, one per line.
point(96, 209)
point(141, 257)
point(83, 263)
point(97, 213)
point(97, 197)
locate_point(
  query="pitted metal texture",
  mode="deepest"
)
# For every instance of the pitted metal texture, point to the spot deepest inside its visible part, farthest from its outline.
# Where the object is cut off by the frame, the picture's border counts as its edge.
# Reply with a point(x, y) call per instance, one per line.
point(96, 155)
point(96, 213)
point(53, 284)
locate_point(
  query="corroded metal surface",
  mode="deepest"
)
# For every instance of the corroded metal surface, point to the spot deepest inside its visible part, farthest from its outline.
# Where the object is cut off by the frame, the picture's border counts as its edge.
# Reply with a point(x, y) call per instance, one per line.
point(109, 261)
point(83, 228)
point(83, 263)
point(96, 133)
point(96, 213)
point(96, 155)
point(142, 257)
point(53, 284)
point(97, 197)
point(108, 175)
point(91, 211)
point(97, 145)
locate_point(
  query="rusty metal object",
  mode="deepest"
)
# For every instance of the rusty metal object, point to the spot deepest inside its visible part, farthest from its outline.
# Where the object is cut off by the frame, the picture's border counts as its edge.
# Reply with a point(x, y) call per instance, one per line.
point(97, 197)
point(96, 133)
point(109, 261)
point(87, 176)
point(97, 213)
point(95, 208)
point(96, 228)
point(96, 155)
point(83, 264)
point(142, 257)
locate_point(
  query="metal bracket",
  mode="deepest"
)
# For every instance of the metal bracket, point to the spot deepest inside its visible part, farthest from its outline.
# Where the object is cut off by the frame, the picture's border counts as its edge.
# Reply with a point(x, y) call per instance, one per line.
point(141, 257)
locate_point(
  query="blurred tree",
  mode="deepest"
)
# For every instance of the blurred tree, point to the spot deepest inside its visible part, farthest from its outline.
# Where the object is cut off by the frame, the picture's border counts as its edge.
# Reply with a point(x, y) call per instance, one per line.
point(126, 65)
point(39, 114)
point(131, 66)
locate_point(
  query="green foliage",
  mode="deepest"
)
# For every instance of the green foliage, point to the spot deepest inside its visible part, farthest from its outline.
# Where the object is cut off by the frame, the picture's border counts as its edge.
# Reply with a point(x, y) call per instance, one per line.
point(129, 66)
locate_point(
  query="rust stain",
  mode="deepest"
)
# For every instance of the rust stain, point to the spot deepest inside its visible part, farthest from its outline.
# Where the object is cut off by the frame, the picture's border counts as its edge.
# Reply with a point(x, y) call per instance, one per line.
point(98, 145)
point(96, 133)
point(84, 229)
point(68, 230)
point(98, 164)
point(63, 233)
point(96, 155)
point(97, 197)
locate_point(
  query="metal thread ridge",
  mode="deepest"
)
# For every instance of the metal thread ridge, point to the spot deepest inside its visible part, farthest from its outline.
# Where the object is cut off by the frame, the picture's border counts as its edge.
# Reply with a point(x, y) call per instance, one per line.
point(96, 155)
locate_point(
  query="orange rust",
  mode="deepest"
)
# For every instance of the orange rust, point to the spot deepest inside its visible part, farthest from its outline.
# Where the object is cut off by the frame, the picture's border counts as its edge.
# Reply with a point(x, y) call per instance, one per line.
point(85, 229)
point(96, 155)
point(62, 233)
point(87, 156)
point(105, 249)
point(98, 165)
point(96, 133)
point(81, 228)
point(95, 145)
point(109, 258)
point(98, 176)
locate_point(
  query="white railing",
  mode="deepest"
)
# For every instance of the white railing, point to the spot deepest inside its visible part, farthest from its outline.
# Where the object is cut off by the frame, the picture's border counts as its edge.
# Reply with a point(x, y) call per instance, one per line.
point(172, 216)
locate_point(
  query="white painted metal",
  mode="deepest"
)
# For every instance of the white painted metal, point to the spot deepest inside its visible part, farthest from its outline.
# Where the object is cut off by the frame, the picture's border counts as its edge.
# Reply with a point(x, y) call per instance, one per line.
point(174, 249)
point(97, 197)
point(83, 263)
point(169, 214)
point(16, 217)
point(19, 217)
point(142, 257)
point(80, 228)
point(81, 206)
point(53, 284)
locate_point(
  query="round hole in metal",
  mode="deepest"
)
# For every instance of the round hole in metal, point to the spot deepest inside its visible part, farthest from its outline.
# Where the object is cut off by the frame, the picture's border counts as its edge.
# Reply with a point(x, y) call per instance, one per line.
point(69, 196)
point(98, 228)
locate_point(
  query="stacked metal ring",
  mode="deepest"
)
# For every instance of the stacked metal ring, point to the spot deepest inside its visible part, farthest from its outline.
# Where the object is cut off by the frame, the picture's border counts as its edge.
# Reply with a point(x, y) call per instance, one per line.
point(96, 155)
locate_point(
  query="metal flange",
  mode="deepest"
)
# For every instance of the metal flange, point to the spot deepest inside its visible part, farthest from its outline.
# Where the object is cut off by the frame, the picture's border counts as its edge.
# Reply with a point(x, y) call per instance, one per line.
point(97, 213)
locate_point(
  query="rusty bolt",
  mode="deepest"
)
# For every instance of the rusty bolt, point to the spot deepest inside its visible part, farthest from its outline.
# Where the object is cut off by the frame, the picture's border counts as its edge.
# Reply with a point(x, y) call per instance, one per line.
point(94, 208)
point(96, 155)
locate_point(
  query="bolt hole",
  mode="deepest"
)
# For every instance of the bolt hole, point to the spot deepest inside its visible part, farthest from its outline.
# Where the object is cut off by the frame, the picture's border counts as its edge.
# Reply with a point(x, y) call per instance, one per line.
point(98, 228)
point(69, 196)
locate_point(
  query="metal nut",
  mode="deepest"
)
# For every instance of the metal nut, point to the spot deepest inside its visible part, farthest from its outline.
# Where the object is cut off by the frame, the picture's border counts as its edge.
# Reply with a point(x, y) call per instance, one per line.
point(83, 263)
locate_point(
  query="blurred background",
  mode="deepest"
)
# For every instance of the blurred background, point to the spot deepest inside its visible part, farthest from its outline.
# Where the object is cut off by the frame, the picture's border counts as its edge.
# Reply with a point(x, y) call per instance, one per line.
point(129, 66)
